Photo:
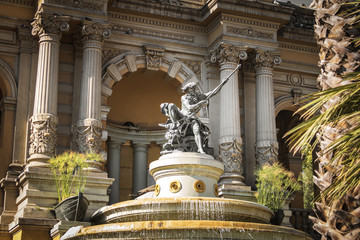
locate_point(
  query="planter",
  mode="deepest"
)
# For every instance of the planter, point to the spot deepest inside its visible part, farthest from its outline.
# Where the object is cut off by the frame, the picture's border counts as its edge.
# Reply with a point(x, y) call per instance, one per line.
point(72, 208)
point(278, 217)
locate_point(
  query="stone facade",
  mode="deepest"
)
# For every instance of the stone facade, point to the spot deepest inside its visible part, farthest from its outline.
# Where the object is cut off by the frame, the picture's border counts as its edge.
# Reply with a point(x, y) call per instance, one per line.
point(90, 76)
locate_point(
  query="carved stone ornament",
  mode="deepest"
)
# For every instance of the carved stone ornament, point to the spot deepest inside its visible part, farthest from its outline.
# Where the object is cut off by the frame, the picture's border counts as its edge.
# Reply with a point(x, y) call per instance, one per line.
point(90, 4)
point(228, 53)
point(95, 31)
point(266, 59)
point(88, 135)
point(266, 153)
point(43, 134)
point(231, 156)
point(250, 32)
point(169, 2)
point(153, 57)
point(49, 24)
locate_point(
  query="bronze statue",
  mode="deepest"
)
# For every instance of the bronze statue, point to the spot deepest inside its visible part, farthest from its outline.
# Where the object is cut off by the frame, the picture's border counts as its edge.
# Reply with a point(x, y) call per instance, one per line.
point(186, 132)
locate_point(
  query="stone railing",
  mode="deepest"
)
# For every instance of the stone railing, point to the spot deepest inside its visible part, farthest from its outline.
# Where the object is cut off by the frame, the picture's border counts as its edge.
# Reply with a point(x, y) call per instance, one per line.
point(300, 220)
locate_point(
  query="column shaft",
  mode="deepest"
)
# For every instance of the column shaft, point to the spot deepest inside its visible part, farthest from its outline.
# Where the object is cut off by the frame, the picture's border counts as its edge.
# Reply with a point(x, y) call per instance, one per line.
point(229, 104)
point(230, 143)
point(44, 121)
point(90, 102)
point(89, 126)
point(140, 167)
point(114, 171)
point(266, 141)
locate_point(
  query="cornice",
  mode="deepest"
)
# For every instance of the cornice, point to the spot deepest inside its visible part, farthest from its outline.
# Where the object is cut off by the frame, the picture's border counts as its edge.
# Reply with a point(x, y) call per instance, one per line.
point(298, 47)
point(248, 21)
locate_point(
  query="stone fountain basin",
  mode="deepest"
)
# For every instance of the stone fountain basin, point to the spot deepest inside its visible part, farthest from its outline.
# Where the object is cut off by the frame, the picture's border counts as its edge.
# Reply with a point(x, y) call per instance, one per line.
point(183, 208)
point(188, 229)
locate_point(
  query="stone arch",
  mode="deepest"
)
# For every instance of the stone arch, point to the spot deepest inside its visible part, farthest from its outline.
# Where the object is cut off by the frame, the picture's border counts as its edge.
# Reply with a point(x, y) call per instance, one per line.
point(285, 103)
point(132, 62)
point(7, 81)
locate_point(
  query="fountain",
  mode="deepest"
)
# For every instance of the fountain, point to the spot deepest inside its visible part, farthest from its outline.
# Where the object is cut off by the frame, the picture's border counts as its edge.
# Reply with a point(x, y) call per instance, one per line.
point(185, 204)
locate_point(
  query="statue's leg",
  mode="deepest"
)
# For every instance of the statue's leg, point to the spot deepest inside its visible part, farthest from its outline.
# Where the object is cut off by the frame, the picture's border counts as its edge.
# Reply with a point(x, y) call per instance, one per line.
point(196, 131)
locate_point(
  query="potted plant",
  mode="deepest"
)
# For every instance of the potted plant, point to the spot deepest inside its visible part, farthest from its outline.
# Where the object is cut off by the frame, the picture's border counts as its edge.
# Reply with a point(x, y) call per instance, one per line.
point(70, 173)
point(275, 185)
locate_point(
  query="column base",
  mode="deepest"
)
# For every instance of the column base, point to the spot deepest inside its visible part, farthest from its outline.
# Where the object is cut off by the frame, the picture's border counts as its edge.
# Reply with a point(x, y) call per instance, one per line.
point(38, 160)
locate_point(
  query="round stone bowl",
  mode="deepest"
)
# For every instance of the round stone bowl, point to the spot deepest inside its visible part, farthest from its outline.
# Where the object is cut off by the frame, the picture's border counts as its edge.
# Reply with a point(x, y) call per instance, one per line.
point(184, 208)
point(187, 230)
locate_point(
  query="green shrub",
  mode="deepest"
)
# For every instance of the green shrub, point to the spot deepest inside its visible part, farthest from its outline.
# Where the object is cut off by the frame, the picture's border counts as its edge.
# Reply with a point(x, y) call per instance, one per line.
point(70, 172)
point(275, 185)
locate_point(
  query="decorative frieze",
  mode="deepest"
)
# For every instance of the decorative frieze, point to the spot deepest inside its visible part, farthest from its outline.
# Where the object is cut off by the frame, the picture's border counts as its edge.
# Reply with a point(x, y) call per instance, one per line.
point(89, 5)
point(153, 56)
point(153, 33)
point(152, 22)
point(95, 31)
point(250, 32)
point(88, 136)
point(231, 156)
point(49, 24)
point(43, 134)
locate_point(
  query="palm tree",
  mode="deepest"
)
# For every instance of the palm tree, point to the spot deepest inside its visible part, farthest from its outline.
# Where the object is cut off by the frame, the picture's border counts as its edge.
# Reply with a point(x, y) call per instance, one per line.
point(332, 120)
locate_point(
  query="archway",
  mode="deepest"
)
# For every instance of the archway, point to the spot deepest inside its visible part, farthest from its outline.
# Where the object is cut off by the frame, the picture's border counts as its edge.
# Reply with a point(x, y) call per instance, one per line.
point(133, 92)
point(8, 95)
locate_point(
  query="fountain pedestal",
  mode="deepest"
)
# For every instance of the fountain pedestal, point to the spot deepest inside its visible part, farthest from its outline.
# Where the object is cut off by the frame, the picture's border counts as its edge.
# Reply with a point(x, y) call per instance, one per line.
point(186, 174)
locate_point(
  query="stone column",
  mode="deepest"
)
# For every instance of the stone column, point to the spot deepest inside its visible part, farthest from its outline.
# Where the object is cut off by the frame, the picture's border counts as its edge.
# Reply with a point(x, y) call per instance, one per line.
point(266, 141)
point(230, 142)
point(114, 170)
point(44, 120)
point(140, 166)
point(89, 125)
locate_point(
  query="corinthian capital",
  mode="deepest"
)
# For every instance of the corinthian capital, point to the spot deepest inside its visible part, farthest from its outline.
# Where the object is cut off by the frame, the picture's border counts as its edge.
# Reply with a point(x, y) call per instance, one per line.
point(49, 24)
point(95, 31)
point(266, 59)
point(227, 53)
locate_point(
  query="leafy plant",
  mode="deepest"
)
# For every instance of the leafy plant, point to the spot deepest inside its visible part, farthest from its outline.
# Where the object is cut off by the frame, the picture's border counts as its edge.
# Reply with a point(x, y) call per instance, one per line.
point(275, 185)
point(69, 169)
point(307, 177)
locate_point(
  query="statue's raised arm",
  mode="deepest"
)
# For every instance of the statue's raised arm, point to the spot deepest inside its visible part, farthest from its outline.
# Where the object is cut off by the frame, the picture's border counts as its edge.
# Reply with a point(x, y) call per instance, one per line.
point(218, 88)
